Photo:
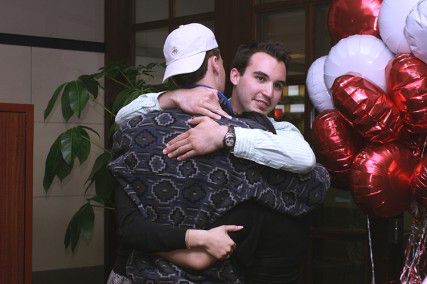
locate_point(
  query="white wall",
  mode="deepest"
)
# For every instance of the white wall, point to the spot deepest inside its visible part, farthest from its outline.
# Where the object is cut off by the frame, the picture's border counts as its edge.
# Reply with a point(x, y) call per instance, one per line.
point(30, 75)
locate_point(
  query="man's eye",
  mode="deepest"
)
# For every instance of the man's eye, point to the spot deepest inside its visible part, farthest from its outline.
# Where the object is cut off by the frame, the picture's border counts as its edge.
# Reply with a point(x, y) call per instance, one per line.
point(278, 86)
point(260, 78)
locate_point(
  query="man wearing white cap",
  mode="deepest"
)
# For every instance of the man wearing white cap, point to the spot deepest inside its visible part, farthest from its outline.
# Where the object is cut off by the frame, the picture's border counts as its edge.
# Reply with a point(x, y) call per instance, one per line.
point(183, 58)
point(287, 150)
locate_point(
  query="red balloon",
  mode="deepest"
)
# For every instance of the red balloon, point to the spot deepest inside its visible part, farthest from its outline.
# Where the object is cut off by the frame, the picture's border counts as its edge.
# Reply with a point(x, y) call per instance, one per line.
point(416, 142)
point(419, 182)
point(407, 84)
point(380, 179)
point(336, 146)
point(367, 108)
point(352, 17)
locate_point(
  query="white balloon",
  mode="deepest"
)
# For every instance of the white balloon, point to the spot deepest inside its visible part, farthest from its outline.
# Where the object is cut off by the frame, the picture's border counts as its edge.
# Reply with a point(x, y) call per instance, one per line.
point(364, 55)
point(316, 88)
point(391, 20)
point(416, 30)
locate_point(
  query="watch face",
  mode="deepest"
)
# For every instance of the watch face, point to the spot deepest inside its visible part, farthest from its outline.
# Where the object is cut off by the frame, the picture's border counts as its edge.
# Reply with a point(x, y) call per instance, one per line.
point(229, 141)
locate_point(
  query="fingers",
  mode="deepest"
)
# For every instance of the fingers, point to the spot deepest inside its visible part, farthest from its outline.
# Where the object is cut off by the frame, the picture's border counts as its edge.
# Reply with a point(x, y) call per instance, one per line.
point(210, 114)
point(232, 228)
point(172, 150)
point(181, 152)
point(217, 110)
point(213, 110)
point(172, 144)
point(229, 251)
point(196, 120)
point(191, 153)
point(221, 112)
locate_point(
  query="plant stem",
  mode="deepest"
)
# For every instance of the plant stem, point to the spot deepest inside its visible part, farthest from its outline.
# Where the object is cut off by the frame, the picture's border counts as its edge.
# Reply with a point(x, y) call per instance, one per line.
point(106, 109)
point(102, 206)
point(117, 81)
point(127, 79)
point(97, 145)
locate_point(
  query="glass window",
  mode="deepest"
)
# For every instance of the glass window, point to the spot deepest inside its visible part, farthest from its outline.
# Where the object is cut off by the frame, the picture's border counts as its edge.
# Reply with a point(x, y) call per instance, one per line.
point(288, 27)
point(190, 7)
point(209, 24)
point(151, 10)
point(149, 49)
point(291, 106)
point(322, 40)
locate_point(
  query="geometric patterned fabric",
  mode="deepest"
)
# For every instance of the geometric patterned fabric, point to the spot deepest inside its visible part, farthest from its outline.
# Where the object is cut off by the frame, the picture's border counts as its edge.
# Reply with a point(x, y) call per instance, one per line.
point(195, 192)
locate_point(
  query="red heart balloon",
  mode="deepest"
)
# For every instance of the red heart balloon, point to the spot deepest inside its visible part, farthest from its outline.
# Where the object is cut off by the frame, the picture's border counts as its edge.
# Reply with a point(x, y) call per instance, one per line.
point(380, 179)
point(367, 108)
point(416, 142)
point(336, 146)
point(407, 84)
point(419, 182)
point(353, 17)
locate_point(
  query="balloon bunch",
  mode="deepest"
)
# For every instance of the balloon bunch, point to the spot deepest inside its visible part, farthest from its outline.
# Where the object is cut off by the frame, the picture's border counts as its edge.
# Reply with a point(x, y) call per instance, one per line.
point(371, 92)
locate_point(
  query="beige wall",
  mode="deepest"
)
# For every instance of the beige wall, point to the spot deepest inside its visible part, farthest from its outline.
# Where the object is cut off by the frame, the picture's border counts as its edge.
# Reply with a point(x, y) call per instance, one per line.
point(30, 75)
point(70, 19)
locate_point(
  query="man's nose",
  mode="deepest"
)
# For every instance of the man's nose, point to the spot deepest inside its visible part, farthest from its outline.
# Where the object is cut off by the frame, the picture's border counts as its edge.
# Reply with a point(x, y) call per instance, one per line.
point(268, 90)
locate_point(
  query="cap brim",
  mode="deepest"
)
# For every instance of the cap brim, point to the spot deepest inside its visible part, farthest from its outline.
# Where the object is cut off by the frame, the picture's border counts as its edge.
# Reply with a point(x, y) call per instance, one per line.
point(184, 65)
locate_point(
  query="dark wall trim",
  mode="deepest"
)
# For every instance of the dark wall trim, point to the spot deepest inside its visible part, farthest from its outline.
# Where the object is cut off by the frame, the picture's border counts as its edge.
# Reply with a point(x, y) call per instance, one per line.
point(49, 42)
point(91, 274)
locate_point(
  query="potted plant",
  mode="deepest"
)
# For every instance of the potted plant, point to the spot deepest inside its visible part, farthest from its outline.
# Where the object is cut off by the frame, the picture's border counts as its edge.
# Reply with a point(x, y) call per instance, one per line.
point(75, 143)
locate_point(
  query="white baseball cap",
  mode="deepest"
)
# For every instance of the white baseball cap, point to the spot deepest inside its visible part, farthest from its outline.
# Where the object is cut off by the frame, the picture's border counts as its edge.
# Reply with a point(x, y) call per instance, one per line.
point(185, 49)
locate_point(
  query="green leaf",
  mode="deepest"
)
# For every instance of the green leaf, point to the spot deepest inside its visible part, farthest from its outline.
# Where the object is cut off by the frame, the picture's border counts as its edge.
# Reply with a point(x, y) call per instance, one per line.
point(73, 232)
point(52, 101)
point(70, 144)
point(82, 223)
point(97, 199)
point(63, 169)
point(90, 84)
point(75, 142)
point(112, 130)
point(83, 151)
point(67, 112)
point(78, 96)
point(51, 164)
point(150, 65)
point(91, 129)
point(86, 220)
point(120, 99)
point(104, 184)
point(100, 165)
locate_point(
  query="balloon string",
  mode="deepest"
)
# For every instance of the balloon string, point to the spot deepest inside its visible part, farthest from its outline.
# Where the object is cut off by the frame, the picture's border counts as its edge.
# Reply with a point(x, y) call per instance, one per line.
point(415, 250)
point(370, 250)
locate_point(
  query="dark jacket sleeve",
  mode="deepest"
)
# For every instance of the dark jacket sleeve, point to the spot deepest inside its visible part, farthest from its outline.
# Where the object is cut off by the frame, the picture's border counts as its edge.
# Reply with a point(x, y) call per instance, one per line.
point(137, 233)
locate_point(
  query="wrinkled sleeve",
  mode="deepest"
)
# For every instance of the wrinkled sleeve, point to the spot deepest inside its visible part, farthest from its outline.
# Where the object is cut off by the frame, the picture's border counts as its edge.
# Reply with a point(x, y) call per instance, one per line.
point(141, 105)
point(287, 150)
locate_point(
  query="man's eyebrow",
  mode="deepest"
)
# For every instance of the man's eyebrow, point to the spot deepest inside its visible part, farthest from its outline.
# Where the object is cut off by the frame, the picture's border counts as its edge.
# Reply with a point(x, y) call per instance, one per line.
point(281, 82)
point(260, 73)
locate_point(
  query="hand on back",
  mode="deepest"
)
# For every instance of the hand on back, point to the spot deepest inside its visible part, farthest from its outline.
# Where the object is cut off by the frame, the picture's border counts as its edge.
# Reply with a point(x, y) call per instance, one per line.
point(199, 100)
point(206, 137)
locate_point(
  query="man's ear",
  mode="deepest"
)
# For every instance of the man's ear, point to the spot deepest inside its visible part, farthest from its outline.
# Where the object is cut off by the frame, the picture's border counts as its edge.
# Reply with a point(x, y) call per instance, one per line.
point(234, 76)
point(216, 62)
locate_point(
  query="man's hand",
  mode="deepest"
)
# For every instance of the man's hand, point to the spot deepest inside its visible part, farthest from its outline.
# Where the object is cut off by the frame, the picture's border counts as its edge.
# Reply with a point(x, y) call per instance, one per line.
point(199, 100)
point(206, 137)
point(215, 241)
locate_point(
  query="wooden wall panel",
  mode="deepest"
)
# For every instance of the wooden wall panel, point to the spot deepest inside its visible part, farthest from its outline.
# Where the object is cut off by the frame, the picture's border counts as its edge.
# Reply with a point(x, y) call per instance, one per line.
point(16, 151)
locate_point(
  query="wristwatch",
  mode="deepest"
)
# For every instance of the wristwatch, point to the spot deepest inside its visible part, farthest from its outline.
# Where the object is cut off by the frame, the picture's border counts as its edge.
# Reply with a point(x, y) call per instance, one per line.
point(229, 138)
